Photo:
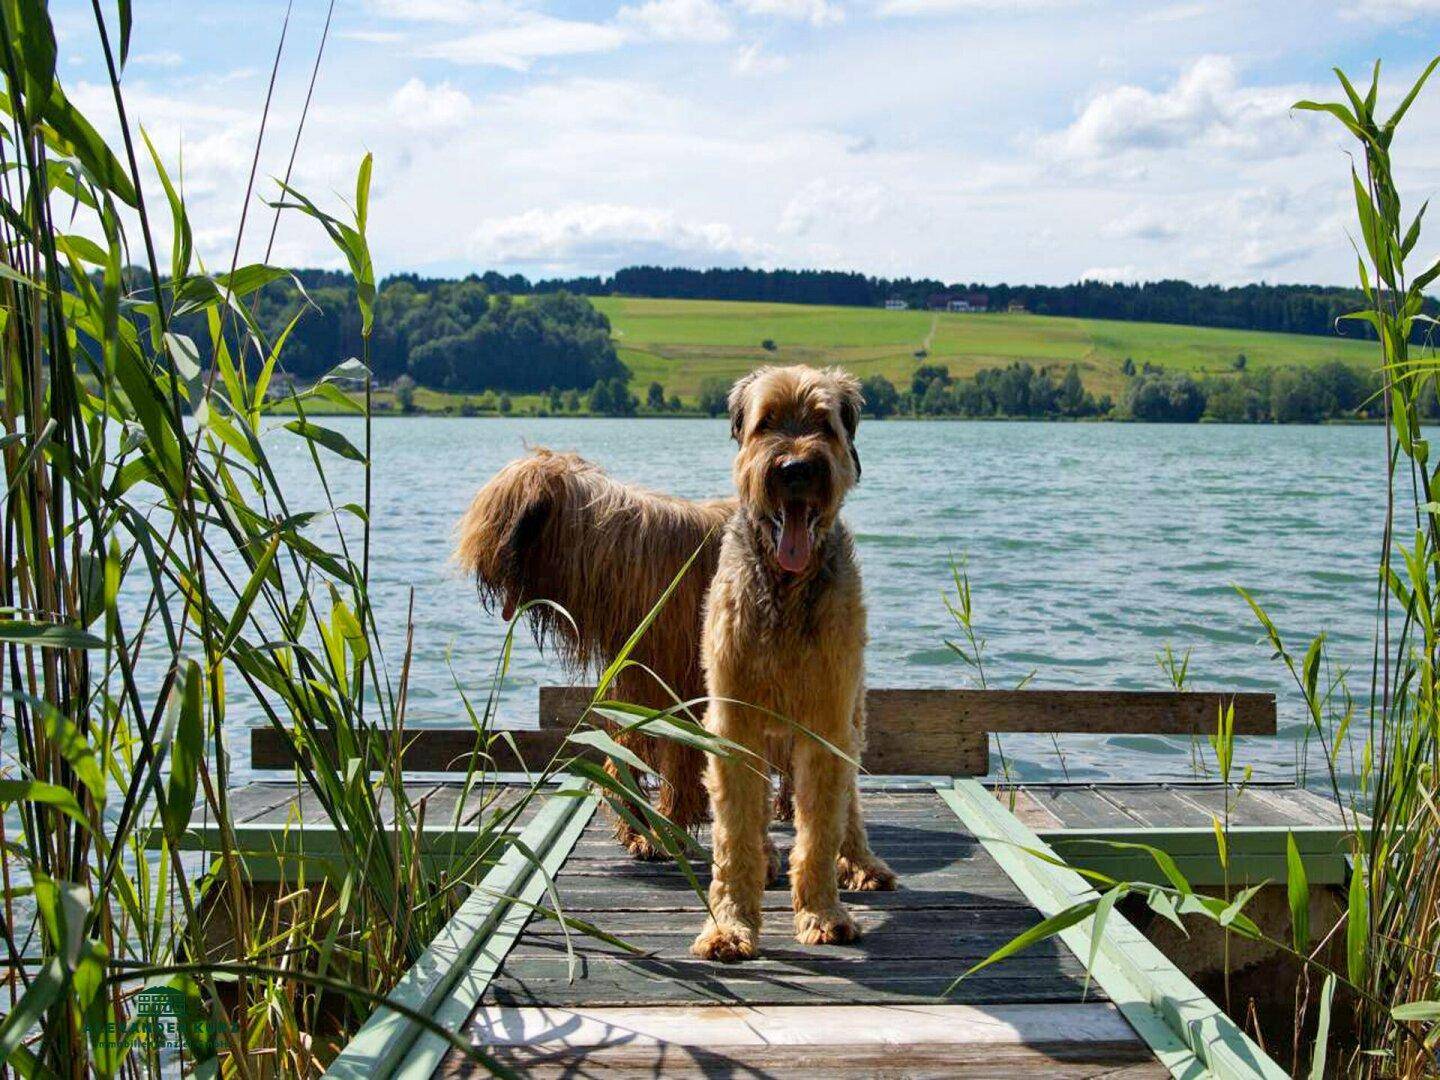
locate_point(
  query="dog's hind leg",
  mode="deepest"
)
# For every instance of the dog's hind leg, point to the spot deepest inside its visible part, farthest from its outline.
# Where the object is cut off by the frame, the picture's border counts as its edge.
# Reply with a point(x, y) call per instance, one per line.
point(860, 869)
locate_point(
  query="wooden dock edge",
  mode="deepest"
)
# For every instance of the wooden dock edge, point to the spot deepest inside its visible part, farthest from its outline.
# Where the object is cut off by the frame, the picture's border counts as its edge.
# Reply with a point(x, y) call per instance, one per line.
point(449, 979)
point(1189, 1033)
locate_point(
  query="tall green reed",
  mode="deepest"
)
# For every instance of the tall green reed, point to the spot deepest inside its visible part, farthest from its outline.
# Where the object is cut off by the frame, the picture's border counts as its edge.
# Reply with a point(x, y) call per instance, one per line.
point(156, 570)
point(1381, 756)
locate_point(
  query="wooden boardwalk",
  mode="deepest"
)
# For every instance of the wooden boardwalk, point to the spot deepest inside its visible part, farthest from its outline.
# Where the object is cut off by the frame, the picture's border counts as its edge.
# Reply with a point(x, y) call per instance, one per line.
point(579, 1007)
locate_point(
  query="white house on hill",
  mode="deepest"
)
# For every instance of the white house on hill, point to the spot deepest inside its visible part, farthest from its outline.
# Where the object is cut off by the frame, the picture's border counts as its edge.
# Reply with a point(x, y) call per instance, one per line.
point(895, 304)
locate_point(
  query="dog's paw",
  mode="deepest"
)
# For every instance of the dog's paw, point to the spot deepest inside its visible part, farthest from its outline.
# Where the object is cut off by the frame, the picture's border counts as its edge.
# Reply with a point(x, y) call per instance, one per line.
point(643, 848)
point(784, 805)
point(864, 875)
point(833, 927)
point(727, 942)
point(774, 865)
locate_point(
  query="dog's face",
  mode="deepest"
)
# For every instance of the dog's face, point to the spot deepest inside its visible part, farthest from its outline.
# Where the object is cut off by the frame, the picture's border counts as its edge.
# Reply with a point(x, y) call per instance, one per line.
point(796, 430)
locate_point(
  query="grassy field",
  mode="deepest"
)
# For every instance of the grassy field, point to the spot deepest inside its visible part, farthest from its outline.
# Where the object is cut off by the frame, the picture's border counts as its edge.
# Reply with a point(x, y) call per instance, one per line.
point(680, 342)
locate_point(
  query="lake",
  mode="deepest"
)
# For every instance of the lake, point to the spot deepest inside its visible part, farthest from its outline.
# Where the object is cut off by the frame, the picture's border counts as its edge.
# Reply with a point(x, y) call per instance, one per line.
point(1090, 547)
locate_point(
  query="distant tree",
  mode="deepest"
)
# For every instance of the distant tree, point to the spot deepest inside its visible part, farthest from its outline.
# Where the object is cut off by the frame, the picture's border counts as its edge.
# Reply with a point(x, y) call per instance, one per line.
point(936, 400)
point(881, 397)
point(487, 401)
point(655, 397)
point(1072, 399)
point(611, 397)
point(768, 344)
point(572, 400)
point(714, 396)
point(1128, 368)
point(598, 400)
point(1240, 362)
point(1165, 398)
point(505, 404)
point(1233, 401)
point(921, 354)
point(553, 397)
point(404, 390)
point(674, 403)
point(1296, 397)
point(925, 374)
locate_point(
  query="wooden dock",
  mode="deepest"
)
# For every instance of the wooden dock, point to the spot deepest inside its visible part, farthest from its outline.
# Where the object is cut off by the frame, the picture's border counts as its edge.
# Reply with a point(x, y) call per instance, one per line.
point(977, 866)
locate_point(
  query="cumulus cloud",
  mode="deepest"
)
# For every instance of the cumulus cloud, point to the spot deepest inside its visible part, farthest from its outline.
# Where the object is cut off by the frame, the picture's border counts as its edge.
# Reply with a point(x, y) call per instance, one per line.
point(838, 205)
point(420, 107)
point(677, 20)
point(164, 58)
point(605, 234)
point(753, 59)
point(529, 37)
point(815, 12)
point(1393, 11)
point(1206, 108)
point(1142, 224)
point(963, 7)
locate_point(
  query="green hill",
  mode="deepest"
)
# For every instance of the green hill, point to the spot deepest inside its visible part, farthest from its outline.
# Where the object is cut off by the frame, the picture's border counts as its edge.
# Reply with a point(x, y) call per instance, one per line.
point(680, 342)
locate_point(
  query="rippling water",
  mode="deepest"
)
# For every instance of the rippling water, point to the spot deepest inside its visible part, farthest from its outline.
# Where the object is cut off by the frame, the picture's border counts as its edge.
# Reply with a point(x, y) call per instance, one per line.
point(1090, 547)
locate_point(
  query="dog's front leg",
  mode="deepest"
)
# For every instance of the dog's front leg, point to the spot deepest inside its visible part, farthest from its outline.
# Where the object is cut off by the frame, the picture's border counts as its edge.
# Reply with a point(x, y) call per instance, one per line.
point(823, 785)
point(739, 789)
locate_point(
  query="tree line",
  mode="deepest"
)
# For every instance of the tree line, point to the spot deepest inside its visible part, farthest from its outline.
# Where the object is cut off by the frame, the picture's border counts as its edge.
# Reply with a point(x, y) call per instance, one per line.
point(1332, 391)
point(466, 335)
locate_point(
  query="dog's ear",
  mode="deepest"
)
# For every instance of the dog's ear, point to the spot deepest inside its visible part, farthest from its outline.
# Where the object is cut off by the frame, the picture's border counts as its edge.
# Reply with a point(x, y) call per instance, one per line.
point(739, 393)
point(852, 400)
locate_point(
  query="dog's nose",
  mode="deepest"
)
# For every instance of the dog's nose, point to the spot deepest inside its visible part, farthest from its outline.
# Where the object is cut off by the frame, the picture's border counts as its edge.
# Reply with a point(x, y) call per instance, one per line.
point(796, 473)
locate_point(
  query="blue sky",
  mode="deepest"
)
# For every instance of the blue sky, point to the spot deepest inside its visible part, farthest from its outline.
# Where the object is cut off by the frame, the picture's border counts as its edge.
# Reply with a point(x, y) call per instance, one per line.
point(1033, 141)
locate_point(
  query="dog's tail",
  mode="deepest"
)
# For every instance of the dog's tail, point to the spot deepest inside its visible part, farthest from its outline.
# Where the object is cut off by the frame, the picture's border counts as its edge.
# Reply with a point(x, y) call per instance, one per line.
point(552, 526)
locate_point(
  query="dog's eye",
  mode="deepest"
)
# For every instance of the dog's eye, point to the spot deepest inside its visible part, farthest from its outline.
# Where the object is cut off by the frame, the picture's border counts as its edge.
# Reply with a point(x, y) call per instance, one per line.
point(762, 425)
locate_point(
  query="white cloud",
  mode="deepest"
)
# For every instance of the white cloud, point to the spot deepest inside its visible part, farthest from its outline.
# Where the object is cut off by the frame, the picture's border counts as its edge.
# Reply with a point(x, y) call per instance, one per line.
point(1142, 224)
point(373, 37)
point(435, 11)
point(815, 12)
point(752, 59)
point(677, 20)
point(833, 205)
point(164, 58)
point(530, 38)
point(964, 7)
point(420, 107)
point(1393, 11)
point(1206, 108)
point(605, 234)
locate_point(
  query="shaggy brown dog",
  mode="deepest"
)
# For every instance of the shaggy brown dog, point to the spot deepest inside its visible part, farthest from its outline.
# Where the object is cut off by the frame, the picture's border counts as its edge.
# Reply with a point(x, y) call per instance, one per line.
point(785, 634)
point(554, 527)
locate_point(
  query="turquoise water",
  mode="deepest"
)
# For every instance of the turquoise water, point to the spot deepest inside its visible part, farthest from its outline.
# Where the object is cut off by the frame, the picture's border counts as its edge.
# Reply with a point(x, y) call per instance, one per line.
point(1090, 547)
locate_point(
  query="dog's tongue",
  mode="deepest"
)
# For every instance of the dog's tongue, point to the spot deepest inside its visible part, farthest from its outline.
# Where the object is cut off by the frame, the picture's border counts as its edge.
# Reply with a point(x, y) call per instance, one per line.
point(793, 546)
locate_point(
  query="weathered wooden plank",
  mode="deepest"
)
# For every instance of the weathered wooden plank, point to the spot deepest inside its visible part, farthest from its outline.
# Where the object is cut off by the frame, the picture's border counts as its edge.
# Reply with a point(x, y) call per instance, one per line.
point(1018, 981)
point(441, 750)
point(1069, 1040)
point(908, 712)
point(909, 732)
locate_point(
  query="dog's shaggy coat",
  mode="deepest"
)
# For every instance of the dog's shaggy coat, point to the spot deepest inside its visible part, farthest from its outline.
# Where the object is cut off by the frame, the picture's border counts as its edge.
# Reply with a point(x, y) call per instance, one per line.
point(554, 527)
point(785, 634)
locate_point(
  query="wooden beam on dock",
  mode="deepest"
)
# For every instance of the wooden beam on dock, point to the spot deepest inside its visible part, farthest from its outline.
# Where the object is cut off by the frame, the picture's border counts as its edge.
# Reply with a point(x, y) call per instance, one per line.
point(908, 732)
